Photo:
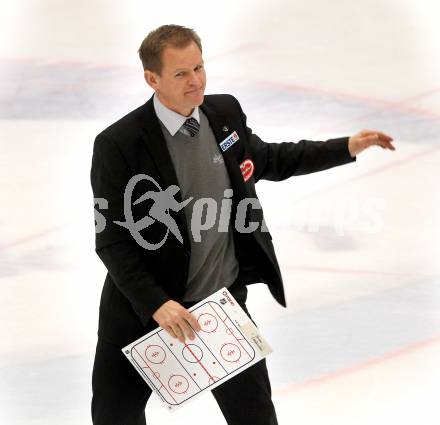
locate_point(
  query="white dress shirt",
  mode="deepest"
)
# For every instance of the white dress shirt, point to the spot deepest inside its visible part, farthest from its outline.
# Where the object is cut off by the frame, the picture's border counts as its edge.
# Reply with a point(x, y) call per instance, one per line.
point(173, 121)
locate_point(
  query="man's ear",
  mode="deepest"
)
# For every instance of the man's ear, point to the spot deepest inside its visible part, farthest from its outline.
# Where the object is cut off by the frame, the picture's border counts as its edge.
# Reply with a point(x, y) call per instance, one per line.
point(151, 78)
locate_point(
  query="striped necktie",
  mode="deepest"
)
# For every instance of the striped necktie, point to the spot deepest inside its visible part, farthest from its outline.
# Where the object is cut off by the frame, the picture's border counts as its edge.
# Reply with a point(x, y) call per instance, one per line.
point(192, 126)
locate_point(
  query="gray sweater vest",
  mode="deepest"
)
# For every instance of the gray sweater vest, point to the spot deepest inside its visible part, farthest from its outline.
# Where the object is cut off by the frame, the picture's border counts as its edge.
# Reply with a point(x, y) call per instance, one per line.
point(202, 174)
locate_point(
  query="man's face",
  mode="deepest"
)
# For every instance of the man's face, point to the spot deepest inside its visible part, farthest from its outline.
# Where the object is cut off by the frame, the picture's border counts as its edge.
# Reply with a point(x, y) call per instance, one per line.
point(181, 85)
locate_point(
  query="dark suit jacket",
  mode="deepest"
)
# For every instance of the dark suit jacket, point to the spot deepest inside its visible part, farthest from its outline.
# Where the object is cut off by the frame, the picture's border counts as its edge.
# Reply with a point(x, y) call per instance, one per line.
point(139, 280)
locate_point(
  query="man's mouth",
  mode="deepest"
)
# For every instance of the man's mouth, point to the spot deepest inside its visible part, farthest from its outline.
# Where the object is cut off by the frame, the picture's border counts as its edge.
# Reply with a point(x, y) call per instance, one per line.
point(196, 91)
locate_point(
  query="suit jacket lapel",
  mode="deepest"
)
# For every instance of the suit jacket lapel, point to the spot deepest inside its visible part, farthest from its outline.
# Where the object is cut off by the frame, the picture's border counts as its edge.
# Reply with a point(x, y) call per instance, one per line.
point(156, 145)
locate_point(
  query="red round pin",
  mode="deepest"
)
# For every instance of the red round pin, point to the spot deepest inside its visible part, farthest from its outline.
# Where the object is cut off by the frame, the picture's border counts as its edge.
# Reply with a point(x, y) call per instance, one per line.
point(247, 169)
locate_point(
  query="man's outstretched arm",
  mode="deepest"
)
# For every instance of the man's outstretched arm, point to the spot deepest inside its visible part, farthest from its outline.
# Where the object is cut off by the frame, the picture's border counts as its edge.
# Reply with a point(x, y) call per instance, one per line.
point(279, 161)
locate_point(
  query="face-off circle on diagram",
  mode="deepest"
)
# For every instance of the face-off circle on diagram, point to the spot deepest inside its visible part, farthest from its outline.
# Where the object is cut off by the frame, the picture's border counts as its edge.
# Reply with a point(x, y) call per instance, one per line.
point(230, 352)
point(155, 354)
point(178, 384)
point(208, 322)
point(213, 380)
point(192, 353)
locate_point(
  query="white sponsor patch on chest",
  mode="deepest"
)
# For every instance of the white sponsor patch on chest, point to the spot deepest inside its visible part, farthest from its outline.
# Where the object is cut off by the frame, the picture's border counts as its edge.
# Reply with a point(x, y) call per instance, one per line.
point(229, 141)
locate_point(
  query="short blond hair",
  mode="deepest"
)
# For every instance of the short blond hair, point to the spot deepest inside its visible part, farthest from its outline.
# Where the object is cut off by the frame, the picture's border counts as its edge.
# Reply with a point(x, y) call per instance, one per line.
point(150, 51)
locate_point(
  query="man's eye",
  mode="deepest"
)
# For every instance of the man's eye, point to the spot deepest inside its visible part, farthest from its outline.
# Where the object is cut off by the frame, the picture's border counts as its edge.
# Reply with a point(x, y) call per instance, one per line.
point(180, 74)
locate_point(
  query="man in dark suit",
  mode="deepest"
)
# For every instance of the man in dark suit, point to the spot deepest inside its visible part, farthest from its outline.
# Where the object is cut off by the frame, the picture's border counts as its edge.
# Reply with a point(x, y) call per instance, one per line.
point(153, 173)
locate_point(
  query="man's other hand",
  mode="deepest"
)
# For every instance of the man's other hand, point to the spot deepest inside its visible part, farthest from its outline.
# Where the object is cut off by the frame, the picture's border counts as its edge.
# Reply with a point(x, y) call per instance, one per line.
point(367, 138)
point(176, 320)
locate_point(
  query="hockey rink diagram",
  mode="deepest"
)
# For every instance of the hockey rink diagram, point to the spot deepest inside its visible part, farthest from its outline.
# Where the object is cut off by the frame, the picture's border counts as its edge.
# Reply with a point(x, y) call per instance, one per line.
point(178, 372)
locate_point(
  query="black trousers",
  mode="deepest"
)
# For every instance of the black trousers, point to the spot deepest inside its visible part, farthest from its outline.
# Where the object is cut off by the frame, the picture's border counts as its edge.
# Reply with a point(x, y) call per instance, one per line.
point(120, 395)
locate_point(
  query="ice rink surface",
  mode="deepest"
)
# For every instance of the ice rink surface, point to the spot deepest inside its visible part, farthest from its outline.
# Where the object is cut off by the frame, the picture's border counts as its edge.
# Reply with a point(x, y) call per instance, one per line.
point(359, 343)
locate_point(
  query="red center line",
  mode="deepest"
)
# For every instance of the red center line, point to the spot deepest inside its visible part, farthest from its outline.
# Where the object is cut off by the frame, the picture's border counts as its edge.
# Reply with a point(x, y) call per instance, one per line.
point(199, 362)
point(154, 375)
point(231, 331)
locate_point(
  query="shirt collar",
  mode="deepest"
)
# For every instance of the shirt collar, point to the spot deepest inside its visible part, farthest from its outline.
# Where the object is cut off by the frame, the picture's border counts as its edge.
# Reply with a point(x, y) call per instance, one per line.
point(170, 119)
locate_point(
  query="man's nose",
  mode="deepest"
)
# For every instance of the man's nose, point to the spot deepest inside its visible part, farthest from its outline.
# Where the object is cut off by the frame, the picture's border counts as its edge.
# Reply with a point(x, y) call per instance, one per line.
point(194, 79)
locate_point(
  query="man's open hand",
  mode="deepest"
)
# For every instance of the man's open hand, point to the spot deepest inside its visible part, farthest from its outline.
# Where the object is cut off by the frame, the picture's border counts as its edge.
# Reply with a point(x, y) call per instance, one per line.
point(367, 138)
point(176, 320)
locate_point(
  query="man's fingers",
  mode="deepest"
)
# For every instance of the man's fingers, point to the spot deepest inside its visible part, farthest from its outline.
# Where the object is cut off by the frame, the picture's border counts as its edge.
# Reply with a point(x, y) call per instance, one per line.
point(178, 333)
point(376, 139)
point(177, 321)
point(192, 321)
point(181, 330)
point(372, 132)
point(170, 331)
point(372, 135)
point(384, 136)
point(386, 144)
point(366, 138)
point(369, 140)
point(389, 145)
point(187, 331)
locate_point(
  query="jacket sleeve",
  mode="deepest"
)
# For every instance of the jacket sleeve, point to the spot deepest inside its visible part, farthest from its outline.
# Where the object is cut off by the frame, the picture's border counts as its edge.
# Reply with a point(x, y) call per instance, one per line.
point(124, 259)
point(279, 161)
